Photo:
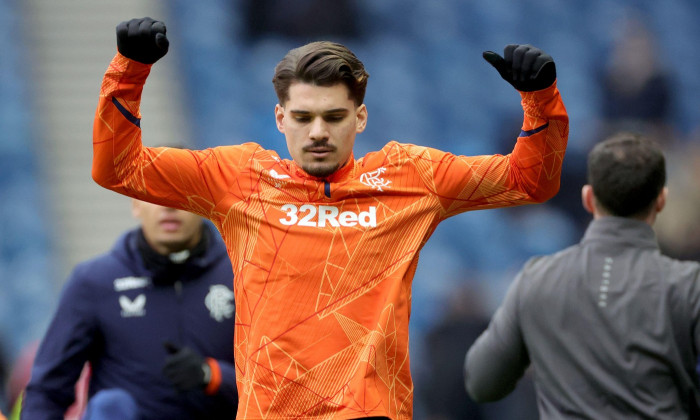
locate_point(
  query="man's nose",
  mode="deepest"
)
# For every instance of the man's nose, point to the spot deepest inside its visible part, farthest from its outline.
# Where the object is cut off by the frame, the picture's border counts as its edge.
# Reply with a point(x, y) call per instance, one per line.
point(319, 129)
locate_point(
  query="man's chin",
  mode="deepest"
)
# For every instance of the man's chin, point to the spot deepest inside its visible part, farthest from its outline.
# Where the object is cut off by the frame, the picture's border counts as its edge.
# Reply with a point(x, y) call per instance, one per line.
point(173, 242)
point(320, 171)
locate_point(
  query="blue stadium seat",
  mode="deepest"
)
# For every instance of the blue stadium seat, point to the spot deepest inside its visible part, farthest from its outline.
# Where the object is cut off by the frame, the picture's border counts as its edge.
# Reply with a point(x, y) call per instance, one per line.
point(27, 283)
point(430, 86)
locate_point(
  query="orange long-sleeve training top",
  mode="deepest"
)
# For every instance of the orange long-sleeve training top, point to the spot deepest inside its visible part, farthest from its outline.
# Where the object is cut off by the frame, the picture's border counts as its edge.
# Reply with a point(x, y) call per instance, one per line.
point(322, 267)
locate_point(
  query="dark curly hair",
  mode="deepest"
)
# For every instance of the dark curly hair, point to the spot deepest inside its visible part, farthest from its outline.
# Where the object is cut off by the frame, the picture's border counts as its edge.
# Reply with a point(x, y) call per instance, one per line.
point(321, 63)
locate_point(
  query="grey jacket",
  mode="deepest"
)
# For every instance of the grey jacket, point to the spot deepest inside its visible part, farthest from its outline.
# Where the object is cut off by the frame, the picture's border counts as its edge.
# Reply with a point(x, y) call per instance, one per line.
point(610, 326)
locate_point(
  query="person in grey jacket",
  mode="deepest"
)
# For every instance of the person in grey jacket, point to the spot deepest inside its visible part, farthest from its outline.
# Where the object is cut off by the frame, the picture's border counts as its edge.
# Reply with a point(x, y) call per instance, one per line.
point(611, 326)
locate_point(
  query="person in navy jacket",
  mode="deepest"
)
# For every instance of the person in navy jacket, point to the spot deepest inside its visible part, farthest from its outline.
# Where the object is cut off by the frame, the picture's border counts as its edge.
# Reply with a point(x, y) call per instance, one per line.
point(153, 317)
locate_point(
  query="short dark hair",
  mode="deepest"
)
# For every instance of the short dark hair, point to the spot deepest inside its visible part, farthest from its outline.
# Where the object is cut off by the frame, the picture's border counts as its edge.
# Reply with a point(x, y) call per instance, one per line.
point(321, 63)
point(627, 173)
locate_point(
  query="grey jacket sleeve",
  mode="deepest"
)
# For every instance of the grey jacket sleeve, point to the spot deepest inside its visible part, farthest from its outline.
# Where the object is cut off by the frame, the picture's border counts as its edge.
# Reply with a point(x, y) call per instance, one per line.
point(498, 358)
point(694, 299)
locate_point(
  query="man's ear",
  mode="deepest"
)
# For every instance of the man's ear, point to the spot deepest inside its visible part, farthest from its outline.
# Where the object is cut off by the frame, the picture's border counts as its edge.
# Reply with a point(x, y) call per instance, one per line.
point(361, 118)
point(279, 117)
point(135, 208)
point(661, 199)
point(588, 199)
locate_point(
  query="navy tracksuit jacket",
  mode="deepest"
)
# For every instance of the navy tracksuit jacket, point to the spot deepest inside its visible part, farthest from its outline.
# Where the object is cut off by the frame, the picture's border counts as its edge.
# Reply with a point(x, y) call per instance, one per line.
point(115, 314)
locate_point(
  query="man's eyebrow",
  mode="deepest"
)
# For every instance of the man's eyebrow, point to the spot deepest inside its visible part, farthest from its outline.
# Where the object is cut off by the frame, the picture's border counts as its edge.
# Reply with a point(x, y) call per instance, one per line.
point(330, 111)
point(336, 111)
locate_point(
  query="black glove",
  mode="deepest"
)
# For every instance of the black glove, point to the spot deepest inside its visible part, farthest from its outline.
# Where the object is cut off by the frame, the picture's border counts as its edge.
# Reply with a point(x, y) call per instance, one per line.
point(142, 40)
point(525, 67)
point(185, 368)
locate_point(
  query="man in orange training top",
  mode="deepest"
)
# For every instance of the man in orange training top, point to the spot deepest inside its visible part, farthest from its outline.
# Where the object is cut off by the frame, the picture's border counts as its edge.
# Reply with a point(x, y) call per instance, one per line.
point(323, 247)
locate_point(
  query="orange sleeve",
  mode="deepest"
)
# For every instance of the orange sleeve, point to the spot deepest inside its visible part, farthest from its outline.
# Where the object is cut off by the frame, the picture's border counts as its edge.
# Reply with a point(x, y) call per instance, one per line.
point(186, 179)
point(215, 380)
point(530, 174)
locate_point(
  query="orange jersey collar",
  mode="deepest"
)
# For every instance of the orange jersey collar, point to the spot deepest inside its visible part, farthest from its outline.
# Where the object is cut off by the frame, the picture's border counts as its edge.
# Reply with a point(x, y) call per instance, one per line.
point(345, 172)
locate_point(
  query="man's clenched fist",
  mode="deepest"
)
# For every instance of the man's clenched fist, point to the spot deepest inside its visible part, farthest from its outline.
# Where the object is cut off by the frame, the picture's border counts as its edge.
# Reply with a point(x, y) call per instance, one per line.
point(525, 67)
point(142, 40)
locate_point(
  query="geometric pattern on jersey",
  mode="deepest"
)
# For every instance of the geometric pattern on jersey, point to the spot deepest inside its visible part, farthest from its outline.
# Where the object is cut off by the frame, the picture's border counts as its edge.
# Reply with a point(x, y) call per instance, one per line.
point(322, 300)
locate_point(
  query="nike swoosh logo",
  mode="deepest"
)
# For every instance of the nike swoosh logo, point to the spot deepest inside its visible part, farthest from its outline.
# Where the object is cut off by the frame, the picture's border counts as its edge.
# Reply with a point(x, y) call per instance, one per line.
point(275, 175)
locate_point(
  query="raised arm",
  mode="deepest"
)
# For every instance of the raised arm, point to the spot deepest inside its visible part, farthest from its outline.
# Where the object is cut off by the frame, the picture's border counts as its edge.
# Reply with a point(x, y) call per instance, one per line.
point(179, 178)
point(531, 173)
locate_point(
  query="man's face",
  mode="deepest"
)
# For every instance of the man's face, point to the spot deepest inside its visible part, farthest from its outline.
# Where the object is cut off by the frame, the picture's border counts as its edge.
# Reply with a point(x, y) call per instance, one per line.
point(167, 230)
point(320, 124)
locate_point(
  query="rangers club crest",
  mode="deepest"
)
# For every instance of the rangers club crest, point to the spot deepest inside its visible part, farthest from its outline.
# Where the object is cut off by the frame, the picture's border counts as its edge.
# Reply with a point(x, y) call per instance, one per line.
point(372, 179)
point(219, 301)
